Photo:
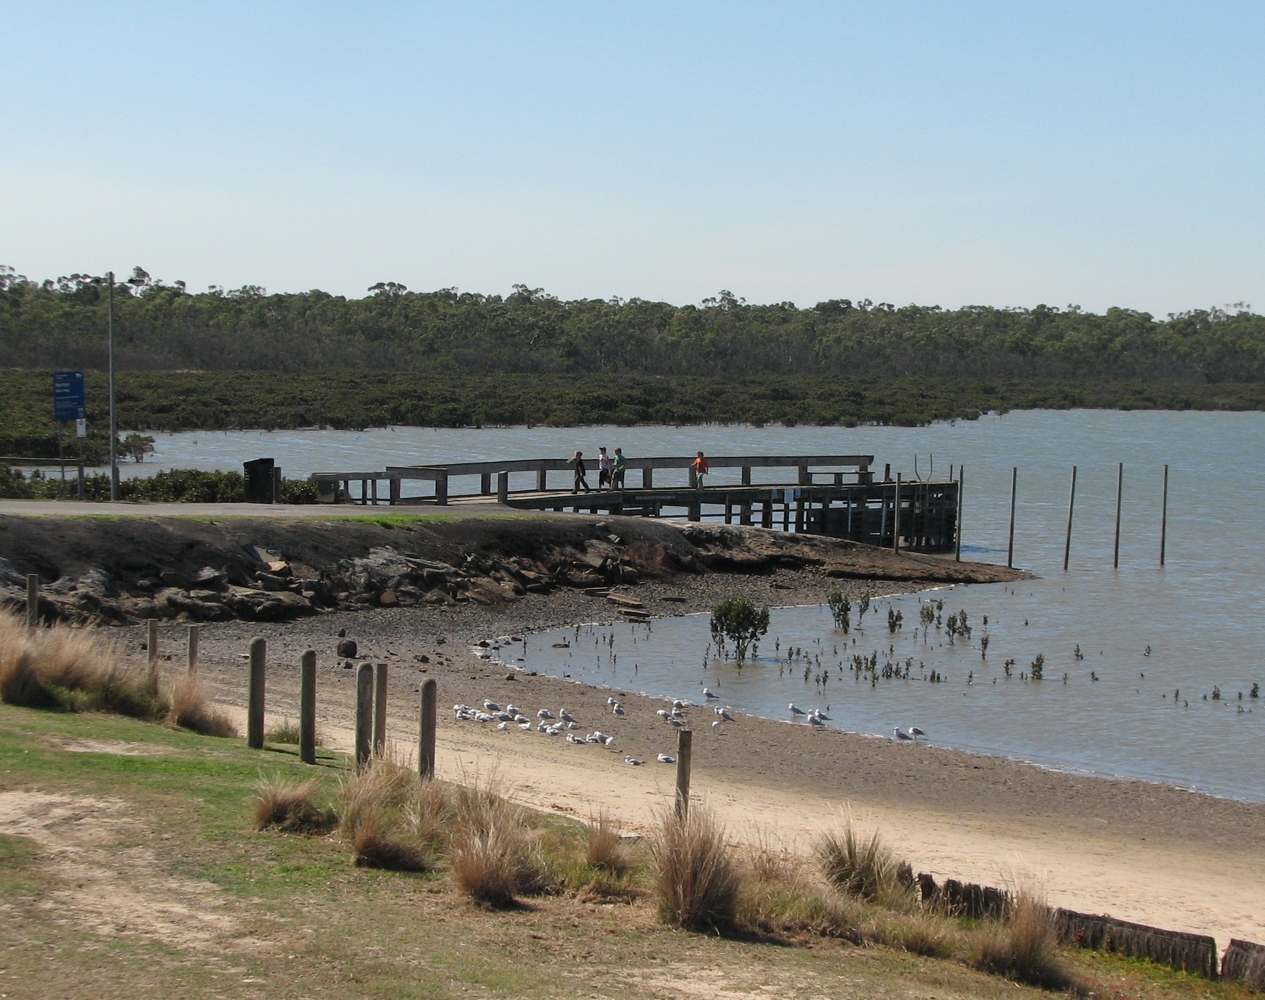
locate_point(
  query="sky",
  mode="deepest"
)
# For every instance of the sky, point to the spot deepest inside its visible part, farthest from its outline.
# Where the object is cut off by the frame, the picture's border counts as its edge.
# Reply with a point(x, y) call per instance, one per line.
point(1098, 154)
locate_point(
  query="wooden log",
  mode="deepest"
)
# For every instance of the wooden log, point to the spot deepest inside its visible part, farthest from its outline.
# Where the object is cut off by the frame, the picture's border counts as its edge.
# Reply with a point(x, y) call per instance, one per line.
point(1071, 506)
point(426, 729)
point(364, 715)
point(684, 749)
point(191, 653)
point(1194, 953)
point(255, 693)
point(380, 710)
point(1244, 961)
point(32, 600)
point(307, 706)
point(151, 646)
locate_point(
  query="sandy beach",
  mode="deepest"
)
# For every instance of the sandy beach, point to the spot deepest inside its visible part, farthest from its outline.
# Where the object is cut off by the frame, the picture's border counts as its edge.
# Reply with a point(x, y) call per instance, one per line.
point(1139, 851)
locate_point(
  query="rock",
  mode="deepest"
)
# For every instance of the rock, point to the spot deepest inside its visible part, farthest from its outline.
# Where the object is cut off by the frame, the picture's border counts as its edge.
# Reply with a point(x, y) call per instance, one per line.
point(279, 567)
point(510, 677)
point(342, 632)
point(266, 606)
point(171, 578)
point(347, 647)
point(347, 664)
point(388, 599)
point(422, 658)
point(208, 578)
point(270, 581)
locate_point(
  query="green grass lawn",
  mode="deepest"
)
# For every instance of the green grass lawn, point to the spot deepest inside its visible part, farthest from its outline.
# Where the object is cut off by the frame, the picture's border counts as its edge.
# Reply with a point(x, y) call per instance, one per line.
point(129, 867)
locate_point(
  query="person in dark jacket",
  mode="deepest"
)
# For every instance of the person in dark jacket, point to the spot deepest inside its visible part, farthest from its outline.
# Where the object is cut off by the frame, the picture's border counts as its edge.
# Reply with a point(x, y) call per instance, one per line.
point(577, 464)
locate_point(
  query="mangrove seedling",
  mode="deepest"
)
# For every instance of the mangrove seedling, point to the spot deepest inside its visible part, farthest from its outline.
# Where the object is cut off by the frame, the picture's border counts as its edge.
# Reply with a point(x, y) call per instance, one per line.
point(895, 620)
point(863, 605)
point(739, 621)
point(841, 609)
point(983, 647)
point(1076, 652)
point(1255, 692)
point(1038, 667)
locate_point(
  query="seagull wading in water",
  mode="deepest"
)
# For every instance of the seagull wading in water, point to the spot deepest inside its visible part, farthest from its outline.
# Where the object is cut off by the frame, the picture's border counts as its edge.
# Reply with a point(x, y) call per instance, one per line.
point(794, 710)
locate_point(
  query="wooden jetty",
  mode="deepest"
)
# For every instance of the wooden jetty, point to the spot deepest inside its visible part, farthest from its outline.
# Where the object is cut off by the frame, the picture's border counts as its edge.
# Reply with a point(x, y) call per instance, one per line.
point(834, 495)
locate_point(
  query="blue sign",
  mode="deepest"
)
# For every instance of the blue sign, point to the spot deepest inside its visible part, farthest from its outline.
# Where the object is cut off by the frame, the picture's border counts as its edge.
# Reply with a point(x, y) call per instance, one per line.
point(68, 396)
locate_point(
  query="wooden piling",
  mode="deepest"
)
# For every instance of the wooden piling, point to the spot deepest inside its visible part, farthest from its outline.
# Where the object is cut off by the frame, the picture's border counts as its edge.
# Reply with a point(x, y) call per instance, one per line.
point(380, 710)
point(255, 694)
point(684, 747)
point(1010, 546)
point(32, 600)
point(307, 706)
point(1164, 517)
point(364, 714)
point(426, 729)
point(957, 542)
point(502, 487)
point(1071, 505)
point(191, 654)
point(896, 517)
point(1115, 556)
point(151, 646)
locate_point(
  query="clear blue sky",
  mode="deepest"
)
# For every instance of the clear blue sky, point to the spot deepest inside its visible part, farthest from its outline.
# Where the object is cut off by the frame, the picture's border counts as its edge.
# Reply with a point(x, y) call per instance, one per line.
point(1003, 153)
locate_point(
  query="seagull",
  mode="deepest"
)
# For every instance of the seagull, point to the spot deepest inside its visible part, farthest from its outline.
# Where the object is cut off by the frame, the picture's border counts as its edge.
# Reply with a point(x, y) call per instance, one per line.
point(708, 693)
point(663, 713)
point(898, 735)
point(665, 759)
point(915, 732)
point(678, 703)
point(619, 709)
point(610, 701)
point(633, 761)
point(716, 724)
point(513, 709)
point(503, 725)
point(544, 713)
point(572, 738)
point(573, 725)
point(675, 722)
point(608, 741)
point(814, 721)
point(794, 710)
point(724, 714)
point(817, 713)
point(491, 706)
point(564, 714)
point(524, 725)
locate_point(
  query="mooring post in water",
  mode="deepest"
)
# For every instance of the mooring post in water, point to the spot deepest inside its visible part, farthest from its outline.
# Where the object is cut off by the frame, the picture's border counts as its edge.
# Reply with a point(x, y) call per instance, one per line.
point(896, 517)
point(151, 645)
point(1071, 504)
point(32, 600)
point(255, 694)
point(1164, 517)
point(426, 730)
point(364, 714)
point(684, 746)
point(957, 544)
point(380, 710)
point(191, 657)
point(307, 706)
point(1010, 546)
point(1115, 557)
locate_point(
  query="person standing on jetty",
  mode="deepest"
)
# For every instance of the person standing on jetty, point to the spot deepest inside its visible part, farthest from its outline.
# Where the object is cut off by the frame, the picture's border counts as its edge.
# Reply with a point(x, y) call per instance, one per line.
point(604, 466)
point(577, 464)
point(699, 466)
point(620, 467)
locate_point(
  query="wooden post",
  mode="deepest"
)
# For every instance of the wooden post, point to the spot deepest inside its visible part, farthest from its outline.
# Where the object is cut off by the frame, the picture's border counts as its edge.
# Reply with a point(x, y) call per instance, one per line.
point(957, 543)
point(255, 694)
point(1010, 546)
point(1115, 557)
point(647, 478)
point(426, 729)
point(364, 714)
point(191, 656)
point(485, 483)
point(896, 517)
point(441, 490)
point(684, 745)
point(1164, 517)
point(32, 600)
point(394, 483)
point(502, 487)
point(542, 480)
point(746, 475)
point(380, 710)
point(151, 644)
point(1071, 504)
point(307, 706)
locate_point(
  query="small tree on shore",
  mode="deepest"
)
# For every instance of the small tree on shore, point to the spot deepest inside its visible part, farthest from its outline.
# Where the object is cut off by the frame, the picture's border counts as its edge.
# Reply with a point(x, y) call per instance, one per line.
point(739, 621)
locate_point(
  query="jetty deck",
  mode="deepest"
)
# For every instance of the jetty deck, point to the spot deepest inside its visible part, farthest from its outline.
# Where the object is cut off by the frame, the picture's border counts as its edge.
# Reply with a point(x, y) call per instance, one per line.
point(834, 495)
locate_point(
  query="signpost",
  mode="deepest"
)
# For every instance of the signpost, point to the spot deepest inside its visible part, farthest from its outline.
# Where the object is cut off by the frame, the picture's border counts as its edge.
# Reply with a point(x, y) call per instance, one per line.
point(69, 403)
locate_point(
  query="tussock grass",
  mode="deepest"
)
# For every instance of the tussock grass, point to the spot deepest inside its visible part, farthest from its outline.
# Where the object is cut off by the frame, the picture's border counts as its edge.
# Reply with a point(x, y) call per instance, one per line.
point(71, 670)
point(605, 850)
point(1024, 947)
point(290, 807)
point(373, 818)
point(285, 732)
point(191, 708)
point(695, 877)
point(864, 867)
point(492, 855)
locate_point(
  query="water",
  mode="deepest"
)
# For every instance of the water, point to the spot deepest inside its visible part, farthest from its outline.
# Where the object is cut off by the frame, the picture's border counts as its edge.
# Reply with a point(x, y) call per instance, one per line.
point(1198, 614)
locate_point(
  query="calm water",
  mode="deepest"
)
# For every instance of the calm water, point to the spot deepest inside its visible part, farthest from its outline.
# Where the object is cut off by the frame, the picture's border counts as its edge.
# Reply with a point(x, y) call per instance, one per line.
point(1200, 615)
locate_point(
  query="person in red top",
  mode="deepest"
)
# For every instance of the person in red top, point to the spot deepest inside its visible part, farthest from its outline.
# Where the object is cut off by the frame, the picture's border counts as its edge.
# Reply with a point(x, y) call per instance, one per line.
point(700, 470)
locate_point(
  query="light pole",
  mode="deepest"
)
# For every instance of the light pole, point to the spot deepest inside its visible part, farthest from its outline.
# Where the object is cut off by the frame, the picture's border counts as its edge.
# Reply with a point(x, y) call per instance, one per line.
point(114, 458)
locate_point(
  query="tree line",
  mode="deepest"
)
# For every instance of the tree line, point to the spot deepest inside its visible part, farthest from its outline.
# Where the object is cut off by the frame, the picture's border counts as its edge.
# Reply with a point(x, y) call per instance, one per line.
point(163, 326)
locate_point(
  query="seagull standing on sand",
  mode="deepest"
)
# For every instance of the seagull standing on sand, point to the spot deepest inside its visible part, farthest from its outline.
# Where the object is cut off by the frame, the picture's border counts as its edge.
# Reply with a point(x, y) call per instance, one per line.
point(544, 713)
point(633, 761)
point(724, 714)
point(815, 721)
point(665, 759)
point(564, 714)
point(898, 735)
point(619, 709)
point(915, 732)
point(491, 706)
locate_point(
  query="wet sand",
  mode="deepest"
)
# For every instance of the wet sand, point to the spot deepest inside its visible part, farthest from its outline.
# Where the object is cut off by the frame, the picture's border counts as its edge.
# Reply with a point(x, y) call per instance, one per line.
point(1139, 851)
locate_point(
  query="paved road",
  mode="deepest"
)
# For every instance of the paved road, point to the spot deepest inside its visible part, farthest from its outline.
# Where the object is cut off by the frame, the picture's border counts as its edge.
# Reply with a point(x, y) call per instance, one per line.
point(75, 508)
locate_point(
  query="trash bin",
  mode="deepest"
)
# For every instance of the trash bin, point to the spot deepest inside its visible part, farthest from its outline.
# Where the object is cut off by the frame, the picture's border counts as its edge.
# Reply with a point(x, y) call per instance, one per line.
point(260, 480)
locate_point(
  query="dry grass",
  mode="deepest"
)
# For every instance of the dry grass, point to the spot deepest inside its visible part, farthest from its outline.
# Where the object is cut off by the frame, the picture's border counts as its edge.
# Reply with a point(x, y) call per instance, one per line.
point(290, 807)
point(374, 818)
point(286, 732)
point(605, 848)
point(490, 849)
point(1023, 948)
point(864, 867)
point(192, 709)
point(695, 877)
point(71, 670)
